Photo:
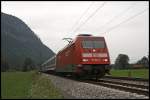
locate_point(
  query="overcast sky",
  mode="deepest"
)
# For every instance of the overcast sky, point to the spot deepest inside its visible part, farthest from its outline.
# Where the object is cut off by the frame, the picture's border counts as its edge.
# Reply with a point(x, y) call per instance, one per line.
point(124, 24)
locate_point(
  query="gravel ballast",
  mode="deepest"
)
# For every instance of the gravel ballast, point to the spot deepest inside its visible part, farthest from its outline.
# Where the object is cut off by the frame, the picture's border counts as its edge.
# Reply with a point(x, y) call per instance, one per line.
point(79, 90)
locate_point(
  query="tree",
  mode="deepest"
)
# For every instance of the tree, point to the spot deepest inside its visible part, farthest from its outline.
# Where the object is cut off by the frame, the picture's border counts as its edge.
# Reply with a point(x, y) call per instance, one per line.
point(28, 64)
point(122, 62)
point(144, 61)
point(4, 65)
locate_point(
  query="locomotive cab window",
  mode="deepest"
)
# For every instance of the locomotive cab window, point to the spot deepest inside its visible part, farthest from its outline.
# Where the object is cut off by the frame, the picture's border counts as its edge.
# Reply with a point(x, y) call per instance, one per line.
point(98, 44)
point(93, 44)
point(87, 44)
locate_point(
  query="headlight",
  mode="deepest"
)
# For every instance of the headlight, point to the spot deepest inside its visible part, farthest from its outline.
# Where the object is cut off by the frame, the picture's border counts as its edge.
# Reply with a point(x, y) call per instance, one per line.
point(105, 60)
point(84, 60)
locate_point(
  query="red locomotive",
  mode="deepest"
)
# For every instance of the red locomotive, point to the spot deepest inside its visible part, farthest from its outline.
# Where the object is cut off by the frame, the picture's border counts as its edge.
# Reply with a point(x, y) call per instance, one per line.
point(87, 55)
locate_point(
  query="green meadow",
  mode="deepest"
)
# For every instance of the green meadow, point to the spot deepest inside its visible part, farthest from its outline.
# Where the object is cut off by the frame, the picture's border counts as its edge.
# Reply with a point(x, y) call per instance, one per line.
point(27, 85)
point(139, 73)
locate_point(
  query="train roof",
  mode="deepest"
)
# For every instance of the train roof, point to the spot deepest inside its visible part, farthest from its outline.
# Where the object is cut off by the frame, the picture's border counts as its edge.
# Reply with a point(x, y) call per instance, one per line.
point(88, 36)
point(85, 35)
point(49, 60)
point(79, 36)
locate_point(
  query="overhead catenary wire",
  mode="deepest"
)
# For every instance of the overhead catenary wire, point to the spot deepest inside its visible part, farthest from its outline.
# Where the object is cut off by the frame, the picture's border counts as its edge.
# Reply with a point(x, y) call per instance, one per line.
point(82, 16)
point(90, 17)
point(128, 19)
point(125, 21)
point(79, 18)
point(118, 15)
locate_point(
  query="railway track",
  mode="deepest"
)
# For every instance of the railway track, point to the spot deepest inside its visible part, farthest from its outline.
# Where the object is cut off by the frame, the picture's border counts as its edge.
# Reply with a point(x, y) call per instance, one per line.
point(128, 78)
point(138, 86)
point(125, 85)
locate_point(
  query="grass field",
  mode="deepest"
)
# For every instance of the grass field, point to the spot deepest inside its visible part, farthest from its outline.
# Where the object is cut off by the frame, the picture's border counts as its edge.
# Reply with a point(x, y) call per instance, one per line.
point(27, 85)
point(42, 88)
point(15, 84)
point(139, 73)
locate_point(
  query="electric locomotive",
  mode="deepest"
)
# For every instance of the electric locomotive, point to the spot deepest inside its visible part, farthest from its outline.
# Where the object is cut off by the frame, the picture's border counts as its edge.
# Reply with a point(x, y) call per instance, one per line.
point(85, 56)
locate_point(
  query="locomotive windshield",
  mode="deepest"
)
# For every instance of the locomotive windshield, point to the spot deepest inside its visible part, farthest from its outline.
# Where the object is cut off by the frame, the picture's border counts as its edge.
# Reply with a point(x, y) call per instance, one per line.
point(93, 44)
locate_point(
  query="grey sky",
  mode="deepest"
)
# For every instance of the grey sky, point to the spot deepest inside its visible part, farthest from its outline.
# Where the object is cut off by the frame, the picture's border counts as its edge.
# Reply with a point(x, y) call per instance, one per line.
point(54, 20)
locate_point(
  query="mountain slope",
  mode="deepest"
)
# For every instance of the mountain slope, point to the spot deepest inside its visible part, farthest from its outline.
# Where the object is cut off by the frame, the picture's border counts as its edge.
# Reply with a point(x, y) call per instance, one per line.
point(18, 42)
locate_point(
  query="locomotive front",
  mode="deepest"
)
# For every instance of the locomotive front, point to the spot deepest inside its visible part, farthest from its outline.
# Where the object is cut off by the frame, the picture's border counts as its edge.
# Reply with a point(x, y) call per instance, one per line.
point(92, 56)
